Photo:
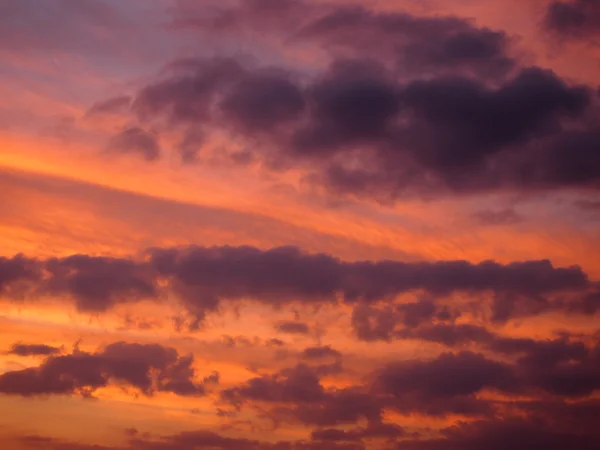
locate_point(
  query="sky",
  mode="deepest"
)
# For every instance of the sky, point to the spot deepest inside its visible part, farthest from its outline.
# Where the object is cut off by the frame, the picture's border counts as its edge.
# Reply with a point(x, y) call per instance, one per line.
point(299, 224)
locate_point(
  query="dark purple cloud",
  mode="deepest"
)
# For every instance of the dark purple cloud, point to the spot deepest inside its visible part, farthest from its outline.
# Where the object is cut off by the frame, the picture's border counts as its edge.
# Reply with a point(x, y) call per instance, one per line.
point(460, 135)
point(262, 102)
point(16, 270)
point(408, 105)
point(287, 270)
point(149, 368)
point(292, 327)
point(312, 353)
point(410, 44)
point(296, 394)
point(427, 321)
point(515, 433)
point(445, 385)
point(448, 376)
point(98, 283)
point(548, 425)
point(203, 277)
point(186, 440)
point(296, 385)
point(355, 103)
point(21, 349)
point(450, 383)
point(338, 407)
point(417, 45)
point(558, 367)
point(188, 95)
point(574, 19)
point(443, 133)
point(565, 375)
point(477, 121)
point(562, 366)
point(449, 334)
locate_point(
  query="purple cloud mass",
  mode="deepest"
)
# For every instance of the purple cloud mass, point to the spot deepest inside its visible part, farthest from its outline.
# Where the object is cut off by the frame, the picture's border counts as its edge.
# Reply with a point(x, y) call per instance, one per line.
point(204, 277)
point(21, 349)
point(448, 384)
point(576, 19)
point(149, 368)
point(428, 106)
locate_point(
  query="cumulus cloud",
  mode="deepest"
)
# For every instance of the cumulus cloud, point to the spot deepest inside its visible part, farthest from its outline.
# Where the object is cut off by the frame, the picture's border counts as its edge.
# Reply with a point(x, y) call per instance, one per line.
point(149, 368)
point(453, 112)
point(357, 129)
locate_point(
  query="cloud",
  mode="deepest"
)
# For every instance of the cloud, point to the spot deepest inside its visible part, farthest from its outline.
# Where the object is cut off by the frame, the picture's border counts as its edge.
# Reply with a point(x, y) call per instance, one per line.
point(341, 100)
point(446, 384)
point(296, 394)
point(98, 283)
point(573, 19)
point(408, 40)
point(380, 323)
point(21, 349)
point(468, 143)
point(497, 435)
point(14, 271)
point(287, 271)
point(136, 140)
point(449, 334)
point(356, 129)
point(186, 440)
point(403, 105)
point(262, 102)
point(402, 39)
point(293, 327)
point(559, 367)
point(543, 424)
point(274, 342)
point(298, 385)
point(202, 278)
point(341, 406)
point(382, 430)
point(113, 105)
point(326, 351)
point(188, 95)
point(149, 368)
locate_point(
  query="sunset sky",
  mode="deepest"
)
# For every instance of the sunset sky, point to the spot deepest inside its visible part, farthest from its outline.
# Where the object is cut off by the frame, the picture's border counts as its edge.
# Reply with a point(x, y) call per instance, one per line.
point(299, 224)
